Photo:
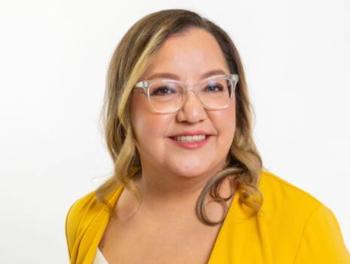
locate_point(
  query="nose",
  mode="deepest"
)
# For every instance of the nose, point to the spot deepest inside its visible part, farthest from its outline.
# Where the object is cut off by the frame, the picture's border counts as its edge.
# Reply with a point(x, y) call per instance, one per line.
point(192, 110)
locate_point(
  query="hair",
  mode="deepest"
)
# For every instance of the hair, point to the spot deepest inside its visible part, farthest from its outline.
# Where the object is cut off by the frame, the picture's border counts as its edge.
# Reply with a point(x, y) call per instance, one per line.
point(127, 65)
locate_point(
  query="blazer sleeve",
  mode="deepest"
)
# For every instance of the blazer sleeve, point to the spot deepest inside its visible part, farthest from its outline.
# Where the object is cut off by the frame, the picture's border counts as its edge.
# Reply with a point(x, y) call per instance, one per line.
point(322, 241)
point(74, 221)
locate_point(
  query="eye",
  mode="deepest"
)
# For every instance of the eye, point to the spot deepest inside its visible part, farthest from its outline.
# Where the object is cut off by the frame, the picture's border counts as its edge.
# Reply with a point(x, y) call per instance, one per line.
point(214, 87)
point(162, 90)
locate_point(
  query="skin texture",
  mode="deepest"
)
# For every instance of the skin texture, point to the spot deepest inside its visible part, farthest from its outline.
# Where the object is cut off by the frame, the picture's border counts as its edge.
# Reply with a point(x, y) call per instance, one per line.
point(169, 171)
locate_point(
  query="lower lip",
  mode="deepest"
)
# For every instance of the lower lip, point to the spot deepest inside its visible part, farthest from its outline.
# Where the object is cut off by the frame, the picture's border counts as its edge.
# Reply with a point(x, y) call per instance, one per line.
point(191, 145)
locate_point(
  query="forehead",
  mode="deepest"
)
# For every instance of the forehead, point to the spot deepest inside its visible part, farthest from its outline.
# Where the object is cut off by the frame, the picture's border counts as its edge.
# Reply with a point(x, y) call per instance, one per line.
point(188, 54)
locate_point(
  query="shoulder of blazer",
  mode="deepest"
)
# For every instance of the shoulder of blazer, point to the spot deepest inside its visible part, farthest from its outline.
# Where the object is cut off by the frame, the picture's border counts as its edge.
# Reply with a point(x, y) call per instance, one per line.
point(80, 214)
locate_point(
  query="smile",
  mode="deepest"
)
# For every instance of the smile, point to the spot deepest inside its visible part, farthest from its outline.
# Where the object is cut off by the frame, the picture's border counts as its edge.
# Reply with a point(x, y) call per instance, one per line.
point(194, 138)
point(190, 141)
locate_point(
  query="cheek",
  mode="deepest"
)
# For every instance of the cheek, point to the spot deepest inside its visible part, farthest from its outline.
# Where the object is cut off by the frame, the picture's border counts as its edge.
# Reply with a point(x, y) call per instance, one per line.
point(149, 127)
point(146, 125)
point(225, 122)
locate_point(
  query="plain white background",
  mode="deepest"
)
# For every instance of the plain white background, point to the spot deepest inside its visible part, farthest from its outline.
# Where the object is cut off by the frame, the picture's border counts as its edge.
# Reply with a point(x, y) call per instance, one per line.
point(53, 62)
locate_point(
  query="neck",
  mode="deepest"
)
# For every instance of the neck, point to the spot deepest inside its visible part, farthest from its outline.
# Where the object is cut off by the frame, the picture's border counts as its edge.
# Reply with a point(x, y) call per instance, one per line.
point(167, 196)
point(160, 190)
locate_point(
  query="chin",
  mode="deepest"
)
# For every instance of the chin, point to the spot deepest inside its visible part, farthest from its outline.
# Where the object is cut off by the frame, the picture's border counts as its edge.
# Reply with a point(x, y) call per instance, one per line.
point(198, 167)
point(188, 172)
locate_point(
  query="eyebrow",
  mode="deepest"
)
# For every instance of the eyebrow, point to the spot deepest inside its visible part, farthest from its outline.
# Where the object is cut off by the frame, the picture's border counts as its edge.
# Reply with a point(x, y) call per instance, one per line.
point(169, 75)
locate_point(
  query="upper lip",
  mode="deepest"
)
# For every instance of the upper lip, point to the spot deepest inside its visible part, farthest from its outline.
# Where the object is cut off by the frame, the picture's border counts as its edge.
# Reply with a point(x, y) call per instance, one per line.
point(191, 133)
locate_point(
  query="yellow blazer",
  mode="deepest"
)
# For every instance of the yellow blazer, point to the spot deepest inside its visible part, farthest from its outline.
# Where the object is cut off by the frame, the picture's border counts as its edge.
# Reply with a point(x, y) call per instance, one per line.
point(292, 227)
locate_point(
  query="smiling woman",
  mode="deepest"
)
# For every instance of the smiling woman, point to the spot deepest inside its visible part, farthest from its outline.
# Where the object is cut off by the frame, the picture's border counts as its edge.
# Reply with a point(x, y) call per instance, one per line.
point(188, 183)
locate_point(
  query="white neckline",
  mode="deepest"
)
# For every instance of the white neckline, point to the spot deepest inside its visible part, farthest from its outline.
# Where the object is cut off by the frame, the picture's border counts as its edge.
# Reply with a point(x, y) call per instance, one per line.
point(100, 258)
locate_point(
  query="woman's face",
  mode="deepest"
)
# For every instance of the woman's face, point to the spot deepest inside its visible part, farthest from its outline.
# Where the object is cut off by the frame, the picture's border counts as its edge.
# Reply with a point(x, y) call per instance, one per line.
point(189, 56)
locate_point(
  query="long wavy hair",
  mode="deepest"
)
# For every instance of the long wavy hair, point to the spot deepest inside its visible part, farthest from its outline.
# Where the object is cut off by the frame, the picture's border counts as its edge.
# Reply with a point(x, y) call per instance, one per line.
point(128, 63)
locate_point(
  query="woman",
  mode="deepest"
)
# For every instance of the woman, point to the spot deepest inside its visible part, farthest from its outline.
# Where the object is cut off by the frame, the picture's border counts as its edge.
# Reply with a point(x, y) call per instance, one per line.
point(188, 184)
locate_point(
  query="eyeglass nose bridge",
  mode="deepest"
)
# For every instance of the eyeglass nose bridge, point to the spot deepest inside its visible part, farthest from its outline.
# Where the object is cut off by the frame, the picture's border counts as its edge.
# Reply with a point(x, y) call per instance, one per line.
point(187, 88)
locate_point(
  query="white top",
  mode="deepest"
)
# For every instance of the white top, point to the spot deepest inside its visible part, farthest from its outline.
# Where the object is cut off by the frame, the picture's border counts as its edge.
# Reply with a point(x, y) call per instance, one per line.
point(99, 258)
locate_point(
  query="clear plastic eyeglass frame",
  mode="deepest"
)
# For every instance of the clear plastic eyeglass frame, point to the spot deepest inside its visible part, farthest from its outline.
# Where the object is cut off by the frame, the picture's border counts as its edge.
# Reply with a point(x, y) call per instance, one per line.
point(146, 84)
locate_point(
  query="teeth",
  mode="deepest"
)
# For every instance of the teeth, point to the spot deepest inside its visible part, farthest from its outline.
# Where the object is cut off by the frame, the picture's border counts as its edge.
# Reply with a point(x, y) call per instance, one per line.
point(190, 138)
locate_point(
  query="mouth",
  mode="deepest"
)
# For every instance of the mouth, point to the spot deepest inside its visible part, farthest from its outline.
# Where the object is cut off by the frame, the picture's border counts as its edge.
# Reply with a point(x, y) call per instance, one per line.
point(187, 138)
point(190, 141)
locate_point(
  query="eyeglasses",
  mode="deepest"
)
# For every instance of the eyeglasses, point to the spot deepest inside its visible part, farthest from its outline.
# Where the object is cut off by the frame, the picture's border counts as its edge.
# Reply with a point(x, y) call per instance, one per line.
point(168, 96)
